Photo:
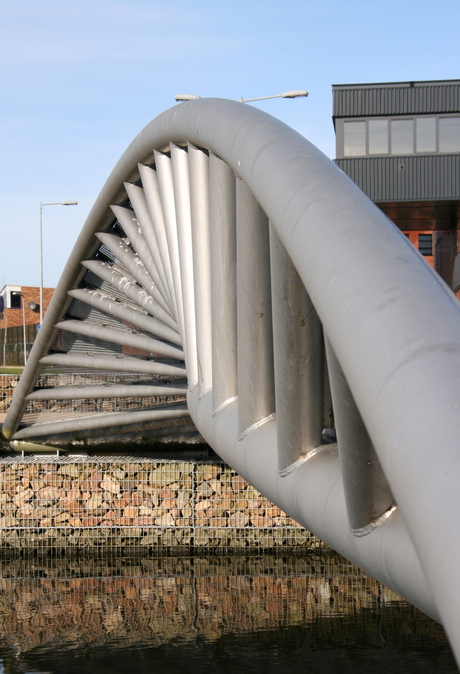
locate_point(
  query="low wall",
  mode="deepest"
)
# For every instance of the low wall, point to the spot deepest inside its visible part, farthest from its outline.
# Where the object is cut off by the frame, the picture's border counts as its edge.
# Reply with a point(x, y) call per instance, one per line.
point(125, 503)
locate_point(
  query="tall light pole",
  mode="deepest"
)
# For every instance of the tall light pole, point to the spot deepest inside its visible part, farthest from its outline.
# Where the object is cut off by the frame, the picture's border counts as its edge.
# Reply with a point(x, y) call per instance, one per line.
point(50, 203)
point(23, 306)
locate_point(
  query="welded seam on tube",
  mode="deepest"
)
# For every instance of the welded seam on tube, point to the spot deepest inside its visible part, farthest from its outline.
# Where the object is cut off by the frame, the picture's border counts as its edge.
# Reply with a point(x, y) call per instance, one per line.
point(256, 425)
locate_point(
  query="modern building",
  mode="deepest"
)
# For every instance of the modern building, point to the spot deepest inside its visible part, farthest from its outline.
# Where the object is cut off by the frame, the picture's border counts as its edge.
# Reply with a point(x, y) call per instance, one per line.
point(11, 302)
point(400, 143)
point(19, 314)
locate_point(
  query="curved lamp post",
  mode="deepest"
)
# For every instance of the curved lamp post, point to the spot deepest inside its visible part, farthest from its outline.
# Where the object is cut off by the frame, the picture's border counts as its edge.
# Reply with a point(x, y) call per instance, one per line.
point(50, 203)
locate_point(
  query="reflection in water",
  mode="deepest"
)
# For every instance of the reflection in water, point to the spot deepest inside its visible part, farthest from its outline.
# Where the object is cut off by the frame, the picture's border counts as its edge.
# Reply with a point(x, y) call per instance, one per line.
point(270, 614)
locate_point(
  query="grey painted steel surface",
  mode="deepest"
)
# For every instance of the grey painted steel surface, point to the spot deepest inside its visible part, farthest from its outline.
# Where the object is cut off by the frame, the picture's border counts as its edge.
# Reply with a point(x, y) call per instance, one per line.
point(396, 98)
point(299, 363)
point(129, 391)
point(313, 495)
point(394, 328)
point(201, 243)
point(405, 178)
point(256, 382)
point(367, 493)
point(181, 189)
point(134, 265)
point(222, 206)
point(109, 305)
point(101, 421)
point(156, 236)
point(141, 212)
point(111, 364)
point(126, 337)
point(127, 286)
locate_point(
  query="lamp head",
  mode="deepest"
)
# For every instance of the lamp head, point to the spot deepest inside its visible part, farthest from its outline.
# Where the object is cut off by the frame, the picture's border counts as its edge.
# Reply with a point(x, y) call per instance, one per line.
point(186, 97)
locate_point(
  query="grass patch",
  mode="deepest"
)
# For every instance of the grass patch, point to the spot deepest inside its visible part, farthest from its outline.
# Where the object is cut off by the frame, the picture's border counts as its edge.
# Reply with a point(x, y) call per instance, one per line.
point(11, 369)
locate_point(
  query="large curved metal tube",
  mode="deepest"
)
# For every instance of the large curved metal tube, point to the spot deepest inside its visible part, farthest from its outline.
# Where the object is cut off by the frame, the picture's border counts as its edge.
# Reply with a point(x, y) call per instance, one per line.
point(392, 324)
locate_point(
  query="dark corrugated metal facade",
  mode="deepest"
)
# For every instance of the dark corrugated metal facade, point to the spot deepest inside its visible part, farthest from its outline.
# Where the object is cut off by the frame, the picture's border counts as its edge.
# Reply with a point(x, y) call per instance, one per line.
point(407, 178)
point(403, 98)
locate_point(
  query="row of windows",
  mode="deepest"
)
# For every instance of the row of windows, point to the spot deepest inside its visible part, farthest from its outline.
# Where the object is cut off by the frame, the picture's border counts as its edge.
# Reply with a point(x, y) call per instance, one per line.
point(401, 136)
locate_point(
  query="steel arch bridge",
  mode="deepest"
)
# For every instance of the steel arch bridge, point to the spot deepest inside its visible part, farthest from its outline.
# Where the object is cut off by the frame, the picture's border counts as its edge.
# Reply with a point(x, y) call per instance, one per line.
point(228, 259)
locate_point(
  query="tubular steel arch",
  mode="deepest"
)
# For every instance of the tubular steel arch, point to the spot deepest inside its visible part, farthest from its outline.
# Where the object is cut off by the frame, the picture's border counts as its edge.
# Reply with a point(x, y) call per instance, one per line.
point(233, 245)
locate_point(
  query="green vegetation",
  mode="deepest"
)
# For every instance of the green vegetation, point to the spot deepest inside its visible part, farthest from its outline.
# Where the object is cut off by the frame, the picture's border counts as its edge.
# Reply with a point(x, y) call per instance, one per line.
point(11, 369)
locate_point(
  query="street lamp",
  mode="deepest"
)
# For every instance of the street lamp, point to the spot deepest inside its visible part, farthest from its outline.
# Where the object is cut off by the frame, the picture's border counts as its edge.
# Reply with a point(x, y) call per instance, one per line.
point(23, 306)
point(50, 203)
point(295, 93)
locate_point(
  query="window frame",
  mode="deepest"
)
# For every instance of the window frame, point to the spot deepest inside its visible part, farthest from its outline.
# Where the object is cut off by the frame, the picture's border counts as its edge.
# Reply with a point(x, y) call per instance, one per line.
point(340, 134)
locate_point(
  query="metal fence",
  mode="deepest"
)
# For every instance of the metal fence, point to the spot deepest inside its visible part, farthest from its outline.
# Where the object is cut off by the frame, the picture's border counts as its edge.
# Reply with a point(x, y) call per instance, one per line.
point(12, 344)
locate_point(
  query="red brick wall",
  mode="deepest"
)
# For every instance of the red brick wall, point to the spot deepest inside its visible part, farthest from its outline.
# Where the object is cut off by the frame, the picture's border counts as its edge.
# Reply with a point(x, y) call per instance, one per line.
point(13, 317)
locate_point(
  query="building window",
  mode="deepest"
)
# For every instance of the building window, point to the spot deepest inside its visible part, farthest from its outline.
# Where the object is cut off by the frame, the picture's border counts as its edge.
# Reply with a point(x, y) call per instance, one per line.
point(423, 241)
point(355, 139)
point(15, 299)
point(449, 134)
point(400, 136)
point(378, 136)
point(425, 135)
point(425, 244)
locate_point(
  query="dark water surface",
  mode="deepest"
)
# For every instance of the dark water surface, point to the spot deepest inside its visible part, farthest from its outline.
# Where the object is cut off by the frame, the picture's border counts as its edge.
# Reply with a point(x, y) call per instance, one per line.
point(265, 614)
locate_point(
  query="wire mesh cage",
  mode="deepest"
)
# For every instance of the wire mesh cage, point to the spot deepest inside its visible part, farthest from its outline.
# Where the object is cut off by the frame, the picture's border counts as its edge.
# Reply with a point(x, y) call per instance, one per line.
point(128, 503)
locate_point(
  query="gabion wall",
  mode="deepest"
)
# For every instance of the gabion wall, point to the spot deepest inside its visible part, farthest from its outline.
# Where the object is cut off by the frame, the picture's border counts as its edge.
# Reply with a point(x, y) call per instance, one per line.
point(117, 503)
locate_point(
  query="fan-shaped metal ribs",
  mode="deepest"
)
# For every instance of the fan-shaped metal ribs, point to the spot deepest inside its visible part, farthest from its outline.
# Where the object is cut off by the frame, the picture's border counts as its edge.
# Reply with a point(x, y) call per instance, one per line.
point(226, 240)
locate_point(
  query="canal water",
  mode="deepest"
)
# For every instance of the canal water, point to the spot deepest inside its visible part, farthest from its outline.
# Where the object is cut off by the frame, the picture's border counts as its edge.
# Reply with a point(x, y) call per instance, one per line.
point(223, 614)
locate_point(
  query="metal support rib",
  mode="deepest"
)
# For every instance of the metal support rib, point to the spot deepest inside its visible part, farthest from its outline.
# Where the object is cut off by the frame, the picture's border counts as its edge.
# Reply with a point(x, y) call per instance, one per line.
point(113, 364)
point(132, 229)
point(222, 207)
point(367, 493)
point(107, 391)
point(152, 429)
point(121, 336)
point(129, 288)
point(134, 265)
point(298, 354)
point(136, 196)
point(256, 387)
point(199, 202)
point(180, 169)
point(151, 187)
point(353, 264)
point(109, 305)
point(100, 421)
point(166, 189)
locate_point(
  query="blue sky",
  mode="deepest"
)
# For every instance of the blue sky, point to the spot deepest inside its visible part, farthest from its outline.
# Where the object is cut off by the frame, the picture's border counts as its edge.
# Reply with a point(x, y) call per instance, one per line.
point(78, 80)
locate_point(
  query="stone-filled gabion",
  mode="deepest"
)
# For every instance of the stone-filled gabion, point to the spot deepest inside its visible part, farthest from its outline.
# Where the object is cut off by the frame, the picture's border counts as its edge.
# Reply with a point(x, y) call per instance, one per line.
point(120, 502)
